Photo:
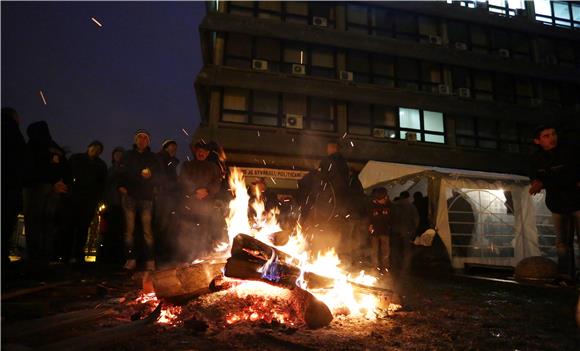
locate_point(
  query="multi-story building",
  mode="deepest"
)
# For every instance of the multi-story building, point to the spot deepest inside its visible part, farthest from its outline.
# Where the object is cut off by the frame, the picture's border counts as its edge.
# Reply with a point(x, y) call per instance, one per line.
point(453, 84)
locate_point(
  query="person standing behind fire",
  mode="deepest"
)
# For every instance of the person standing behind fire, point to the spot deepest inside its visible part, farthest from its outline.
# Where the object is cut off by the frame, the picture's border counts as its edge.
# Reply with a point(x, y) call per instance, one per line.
point(46, 181)
point(380, 228)
point(404, 223)
point(165, 201)
point(111, 250)
point(139, 173)
point(557, 169)
point(199, 180)
point(334, 170)
point(89, 177)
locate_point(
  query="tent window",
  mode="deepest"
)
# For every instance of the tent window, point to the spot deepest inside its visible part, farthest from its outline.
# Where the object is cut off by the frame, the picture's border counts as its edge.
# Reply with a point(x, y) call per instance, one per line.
point(481, 222)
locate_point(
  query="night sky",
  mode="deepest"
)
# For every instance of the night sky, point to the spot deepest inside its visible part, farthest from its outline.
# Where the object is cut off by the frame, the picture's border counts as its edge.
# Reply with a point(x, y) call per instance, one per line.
point(136, 71)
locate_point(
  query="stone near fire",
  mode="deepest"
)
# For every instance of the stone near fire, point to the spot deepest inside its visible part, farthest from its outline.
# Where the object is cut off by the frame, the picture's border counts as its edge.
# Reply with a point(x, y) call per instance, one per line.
point(317, 314)
point(536, 269)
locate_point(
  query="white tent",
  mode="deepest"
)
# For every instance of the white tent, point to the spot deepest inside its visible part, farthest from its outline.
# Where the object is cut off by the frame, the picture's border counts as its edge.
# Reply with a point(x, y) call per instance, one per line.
point(481, 217)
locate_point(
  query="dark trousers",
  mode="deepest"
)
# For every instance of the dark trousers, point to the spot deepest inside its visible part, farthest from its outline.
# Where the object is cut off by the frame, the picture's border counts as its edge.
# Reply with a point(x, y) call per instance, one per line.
point(112, 249)
point(41, 210)
point(81, 213)
point(565, 225)
point(144, 208)
point(165, 226)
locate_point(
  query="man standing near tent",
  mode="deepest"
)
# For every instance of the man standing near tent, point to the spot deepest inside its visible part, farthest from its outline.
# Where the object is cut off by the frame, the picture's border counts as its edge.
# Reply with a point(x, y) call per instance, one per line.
point(557, 170)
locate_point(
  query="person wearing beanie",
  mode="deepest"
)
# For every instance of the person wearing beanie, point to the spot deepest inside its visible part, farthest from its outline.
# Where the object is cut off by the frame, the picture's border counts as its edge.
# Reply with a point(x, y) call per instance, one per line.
point(199, 181)
point(89, 178)
point(140, 172)
point(165, 202)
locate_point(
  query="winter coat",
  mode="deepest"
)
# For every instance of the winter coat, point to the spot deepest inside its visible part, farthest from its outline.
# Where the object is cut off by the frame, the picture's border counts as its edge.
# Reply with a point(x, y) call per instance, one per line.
point(130, 169)
point(559, 170)
point(334, 170)
point(168, 183)
point(199, 174)
point(404, 219)
point(14, 158)
point(380, 218)
point(47, 163)
point(89, 177)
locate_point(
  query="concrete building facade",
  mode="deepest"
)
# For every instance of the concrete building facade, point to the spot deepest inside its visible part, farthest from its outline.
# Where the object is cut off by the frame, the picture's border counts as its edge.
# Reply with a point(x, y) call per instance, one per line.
point(451, 84)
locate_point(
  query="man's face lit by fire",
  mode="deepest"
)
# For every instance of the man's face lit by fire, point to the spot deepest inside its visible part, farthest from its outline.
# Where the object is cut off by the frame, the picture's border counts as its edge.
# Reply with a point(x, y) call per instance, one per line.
point(201, 154)
point(548, 139)
point(94, 151)
point(331, 148)
point(141, 141)
point(117, 156)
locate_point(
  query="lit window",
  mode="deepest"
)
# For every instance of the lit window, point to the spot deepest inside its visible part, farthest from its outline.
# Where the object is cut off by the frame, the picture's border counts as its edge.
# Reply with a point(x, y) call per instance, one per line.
point(409, 118)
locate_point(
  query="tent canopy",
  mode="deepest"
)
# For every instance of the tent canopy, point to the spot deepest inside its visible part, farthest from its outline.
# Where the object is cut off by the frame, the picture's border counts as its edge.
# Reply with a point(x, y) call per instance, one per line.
point(375, 173)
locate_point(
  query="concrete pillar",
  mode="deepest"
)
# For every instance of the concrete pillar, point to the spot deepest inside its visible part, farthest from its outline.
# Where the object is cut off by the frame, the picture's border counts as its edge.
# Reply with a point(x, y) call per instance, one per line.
point(341, 118)
point(215, 100)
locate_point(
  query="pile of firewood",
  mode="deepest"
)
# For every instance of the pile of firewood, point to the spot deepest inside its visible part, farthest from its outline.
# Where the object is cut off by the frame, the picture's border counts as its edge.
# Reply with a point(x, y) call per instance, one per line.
point(250, 259)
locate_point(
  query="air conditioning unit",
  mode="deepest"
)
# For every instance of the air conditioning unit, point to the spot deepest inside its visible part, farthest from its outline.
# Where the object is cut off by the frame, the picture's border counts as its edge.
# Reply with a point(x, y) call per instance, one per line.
point(320, 21)
point(443, 89)
point(535, 102)
point(345, 75)
point(411, 136)
point(551, 60)
point(294, 121)
point(260, 65)
point(460, 46)
point(435, 39)
point(464, 93)
point(378, 133)
point(504, 53)
point(298, 69)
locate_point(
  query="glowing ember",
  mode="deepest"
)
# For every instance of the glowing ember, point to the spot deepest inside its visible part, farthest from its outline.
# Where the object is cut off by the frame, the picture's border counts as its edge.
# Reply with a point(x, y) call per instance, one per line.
point(96, 22)
point(42, 97)
point(169, 314)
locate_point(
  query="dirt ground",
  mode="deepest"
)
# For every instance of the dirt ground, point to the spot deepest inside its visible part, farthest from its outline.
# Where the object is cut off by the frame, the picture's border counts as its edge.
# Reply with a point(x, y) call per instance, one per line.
point(439, 313)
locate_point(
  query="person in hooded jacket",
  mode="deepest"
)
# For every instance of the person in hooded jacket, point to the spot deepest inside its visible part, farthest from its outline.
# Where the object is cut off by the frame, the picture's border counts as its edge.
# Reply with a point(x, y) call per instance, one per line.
point(89, 177)
point(140, 172)
point(47, 179)
point(13, 171)
point(165, 201)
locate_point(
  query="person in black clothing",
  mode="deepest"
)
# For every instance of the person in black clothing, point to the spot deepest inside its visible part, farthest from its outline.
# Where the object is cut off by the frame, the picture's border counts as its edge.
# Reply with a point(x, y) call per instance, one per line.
point(111, 250)
point(380, 228)
point(13, 171)
point(89, 177)
point(421, 203)
point(46, 180)
point(139, 173)
point(334, 170)
point(200, 181)
point(166, 200)
point(557, 169)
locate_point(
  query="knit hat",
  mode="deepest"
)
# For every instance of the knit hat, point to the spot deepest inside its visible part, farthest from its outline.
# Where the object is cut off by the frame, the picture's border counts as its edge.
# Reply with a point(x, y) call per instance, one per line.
point(143, 132)
point(168, 142)
point(202, 145)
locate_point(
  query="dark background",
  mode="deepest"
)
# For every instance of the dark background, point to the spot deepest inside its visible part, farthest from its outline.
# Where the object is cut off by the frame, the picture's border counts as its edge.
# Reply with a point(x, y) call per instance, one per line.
point(137, 71)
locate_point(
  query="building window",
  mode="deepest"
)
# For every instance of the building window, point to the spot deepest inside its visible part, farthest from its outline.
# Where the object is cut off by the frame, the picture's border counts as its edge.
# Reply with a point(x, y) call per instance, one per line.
point(238, 51)
point(406, 26)
point(323, 62)
point(407, 73)
point(558, 13)
point(479, 39)
point(358, 63)
point(382, 22)
point(357, 18)
point(269, 50)
point(235, 105)
point(482, 86)
point(426, 126)
point(265, 108)
point(505, 7)
point(503, 88)
point(315, 13)
point(428, 27)
point(524, 91)
point(322, 114)
point(296, 12)
point(431, 76)
point(383, 70)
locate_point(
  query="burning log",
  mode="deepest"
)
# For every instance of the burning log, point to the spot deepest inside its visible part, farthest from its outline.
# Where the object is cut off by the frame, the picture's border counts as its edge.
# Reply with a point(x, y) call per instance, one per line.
point(185, 281)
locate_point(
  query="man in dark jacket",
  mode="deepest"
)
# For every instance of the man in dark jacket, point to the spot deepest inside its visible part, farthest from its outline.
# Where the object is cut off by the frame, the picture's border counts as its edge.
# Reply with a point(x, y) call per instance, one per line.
point(380, 228)
point(89, 176)
point(47, 179)
point(557, 169)
point(139, 173)
point(165, 201)
point(200, 182)
point(404, 223)
point(13, 171)
point(334, 170)
point(111, 249)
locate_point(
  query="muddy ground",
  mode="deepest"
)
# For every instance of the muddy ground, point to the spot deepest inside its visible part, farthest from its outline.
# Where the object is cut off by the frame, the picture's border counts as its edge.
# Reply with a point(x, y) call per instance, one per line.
point(439, 313)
